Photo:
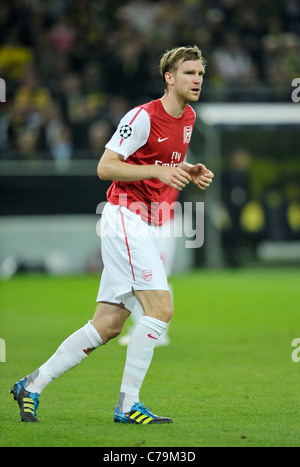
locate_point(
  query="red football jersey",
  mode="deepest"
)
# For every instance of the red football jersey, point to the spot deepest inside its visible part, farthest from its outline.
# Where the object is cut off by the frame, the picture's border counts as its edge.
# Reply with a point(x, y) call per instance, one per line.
point(149, 135)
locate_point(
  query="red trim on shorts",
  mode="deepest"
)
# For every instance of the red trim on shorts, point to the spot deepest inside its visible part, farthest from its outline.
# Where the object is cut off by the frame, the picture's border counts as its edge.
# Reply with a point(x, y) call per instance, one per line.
point(130, 123)
point(126, 241)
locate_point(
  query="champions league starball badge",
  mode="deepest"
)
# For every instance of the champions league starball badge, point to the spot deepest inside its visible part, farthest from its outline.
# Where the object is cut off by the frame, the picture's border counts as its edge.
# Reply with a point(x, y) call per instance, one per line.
point(125, 131)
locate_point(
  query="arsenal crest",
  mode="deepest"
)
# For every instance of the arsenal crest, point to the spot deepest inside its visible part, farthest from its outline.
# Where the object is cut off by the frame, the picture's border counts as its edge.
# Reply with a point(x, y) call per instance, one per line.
point(187, 133)
point(147, 275)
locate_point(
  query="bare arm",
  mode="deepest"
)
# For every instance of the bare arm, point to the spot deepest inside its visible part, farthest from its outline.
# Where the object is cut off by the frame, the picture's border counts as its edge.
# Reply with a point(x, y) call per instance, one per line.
point(112, 167)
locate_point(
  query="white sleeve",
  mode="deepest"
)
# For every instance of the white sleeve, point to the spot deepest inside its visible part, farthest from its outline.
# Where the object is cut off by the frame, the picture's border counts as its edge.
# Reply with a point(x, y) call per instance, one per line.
point(132, 133)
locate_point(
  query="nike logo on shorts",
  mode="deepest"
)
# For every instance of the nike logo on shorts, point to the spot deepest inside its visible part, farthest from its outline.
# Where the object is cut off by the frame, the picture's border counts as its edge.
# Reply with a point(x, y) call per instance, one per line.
point(152, 337)
point(160, 140)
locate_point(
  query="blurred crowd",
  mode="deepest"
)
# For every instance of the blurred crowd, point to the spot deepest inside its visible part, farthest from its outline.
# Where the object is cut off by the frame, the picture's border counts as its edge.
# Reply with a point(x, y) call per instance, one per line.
point(72, 68)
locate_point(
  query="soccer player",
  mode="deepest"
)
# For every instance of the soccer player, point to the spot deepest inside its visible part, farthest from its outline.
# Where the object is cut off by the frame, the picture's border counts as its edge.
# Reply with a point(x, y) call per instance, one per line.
point(144, 158)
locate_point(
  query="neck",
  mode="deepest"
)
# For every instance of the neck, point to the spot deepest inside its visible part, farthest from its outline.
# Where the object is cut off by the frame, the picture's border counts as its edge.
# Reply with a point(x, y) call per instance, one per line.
point(173, 105)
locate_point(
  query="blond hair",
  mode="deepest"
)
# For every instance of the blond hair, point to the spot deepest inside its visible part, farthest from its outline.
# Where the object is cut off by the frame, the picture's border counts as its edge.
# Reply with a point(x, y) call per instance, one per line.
point(170, 60)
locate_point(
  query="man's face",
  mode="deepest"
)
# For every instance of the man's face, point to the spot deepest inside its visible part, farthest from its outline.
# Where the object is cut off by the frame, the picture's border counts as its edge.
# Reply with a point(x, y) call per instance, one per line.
point(187, 80)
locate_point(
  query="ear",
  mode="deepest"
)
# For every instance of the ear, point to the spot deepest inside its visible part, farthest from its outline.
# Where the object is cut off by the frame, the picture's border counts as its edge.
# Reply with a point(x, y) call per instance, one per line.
point(169, 78)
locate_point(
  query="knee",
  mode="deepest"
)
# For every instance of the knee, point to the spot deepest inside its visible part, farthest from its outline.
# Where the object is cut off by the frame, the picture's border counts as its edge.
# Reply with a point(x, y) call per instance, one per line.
point(109, 321)
point(114, 328)
point(156, 303)
point(167, 314)
point(109, 329)
point(162, 311)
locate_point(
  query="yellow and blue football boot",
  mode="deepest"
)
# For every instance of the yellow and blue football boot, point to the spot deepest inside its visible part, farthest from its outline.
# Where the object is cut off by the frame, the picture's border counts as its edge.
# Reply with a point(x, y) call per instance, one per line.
point(28, 401)
point(139, 414)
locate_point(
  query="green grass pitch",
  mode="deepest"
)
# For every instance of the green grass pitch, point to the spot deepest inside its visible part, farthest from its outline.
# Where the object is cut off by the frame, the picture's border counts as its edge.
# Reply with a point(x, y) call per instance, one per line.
point(227, 379)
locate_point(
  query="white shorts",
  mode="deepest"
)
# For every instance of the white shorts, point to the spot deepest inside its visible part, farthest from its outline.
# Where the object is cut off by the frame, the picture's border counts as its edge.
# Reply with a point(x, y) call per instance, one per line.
point(130, 256)
point(166, 244)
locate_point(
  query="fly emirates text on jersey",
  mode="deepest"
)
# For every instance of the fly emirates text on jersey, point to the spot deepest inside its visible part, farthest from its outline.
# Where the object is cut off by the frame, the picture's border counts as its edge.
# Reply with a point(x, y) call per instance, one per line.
point(174, 160)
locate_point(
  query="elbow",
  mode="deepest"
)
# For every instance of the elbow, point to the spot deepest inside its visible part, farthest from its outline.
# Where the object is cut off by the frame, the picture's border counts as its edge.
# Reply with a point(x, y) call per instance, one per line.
point(108, 165)
point(102, 172)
